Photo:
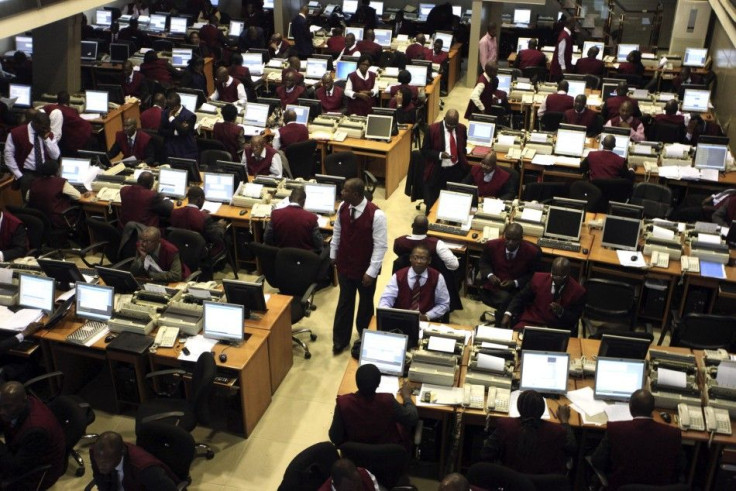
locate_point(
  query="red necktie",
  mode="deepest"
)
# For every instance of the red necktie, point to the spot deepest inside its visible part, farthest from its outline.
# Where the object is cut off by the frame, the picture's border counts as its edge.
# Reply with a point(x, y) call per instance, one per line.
point(415, 291)
point(453, 148)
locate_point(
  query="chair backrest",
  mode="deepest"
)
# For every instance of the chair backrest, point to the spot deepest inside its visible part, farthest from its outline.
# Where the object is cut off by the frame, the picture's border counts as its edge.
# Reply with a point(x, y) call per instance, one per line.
point(542, 191)
point(72, 417)
point(618, 189)
point(632, 80)
point(104, 231)
point(162, 45)
point(535, 73)
point(301, 158)
point(204, 144)
point(655, 198)
point(203, 380)
point(296, 269)
point(551, 120)
point(192, 246)
point(342, 164)
point(592, 82)
point(35, 229)
point(208, 158)
point(589, 192)
point(608, 298)
point(705, 331)
point(157, 141)
point(668, 133)
point(266, 256)
point(388, 462)
point(171, 444)
point(495, 476)
point(310, 468)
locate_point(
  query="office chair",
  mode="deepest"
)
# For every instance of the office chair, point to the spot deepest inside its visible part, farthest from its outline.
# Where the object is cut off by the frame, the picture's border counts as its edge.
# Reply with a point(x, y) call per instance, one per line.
point(667, 133)
point(107, 76)
point(592, 82)
point(633, 80)
point(160, 45)
point(543, 191)
point(310, 468)
point(192, 249)
point(109, 237)
point(609, 306)
point(589, 192)
point(301, 158)
point(345, 164)
point(500, 113)
point(204, 144)
point(495, 476)
point(53, 236)
point(703, 331)
point(24, 481)
point(172, 445)
point(208, 158)
point(535, 73)
point(159, 150)
point(34, 232)
point(617, 189)
point(550, 121)
point(187, 412)
point(387, 462)
point(655, 198)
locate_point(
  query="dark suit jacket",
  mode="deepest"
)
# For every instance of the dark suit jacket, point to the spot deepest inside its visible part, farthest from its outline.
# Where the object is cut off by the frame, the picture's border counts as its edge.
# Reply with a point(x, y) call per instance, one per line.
point(302, 36)
point(181, 144)
point(8, 343)
point(434, 143)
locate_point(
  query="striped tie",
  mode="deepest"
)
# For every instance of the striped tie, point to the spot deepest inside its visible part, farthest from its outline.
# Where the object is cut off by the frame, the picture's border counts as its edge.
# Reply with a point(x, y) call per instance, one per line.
point(415, 292)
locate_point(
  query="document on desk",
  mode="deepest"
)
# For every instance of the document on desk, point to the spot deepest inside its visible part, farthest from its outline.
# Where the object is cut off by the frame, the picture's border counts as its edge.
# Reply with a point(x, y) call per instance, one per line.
point(322, 221)
point(585, 402)
point(540, 159)
point(489, 362)
point(709, 175)
point(662, 233)
point(618, 412)
point(6, 276)
point(19, 320)
point(211, 206)
point(388, 385)
point(625, 259)
point(441, 395)
point(514, 411)
point(493, 206)
point(531, 214)
point(709, 269)
point(197, 345)
point(726, 374)
point(671, 378)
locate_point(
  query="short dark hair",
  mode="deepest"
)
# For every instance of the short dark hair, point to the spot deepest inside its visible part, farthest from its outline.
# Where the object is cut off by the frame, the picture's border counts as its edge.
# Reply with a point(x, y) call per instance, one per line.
point(368, 377)
point(404, 76)
point(229, 112)
point(195, 192)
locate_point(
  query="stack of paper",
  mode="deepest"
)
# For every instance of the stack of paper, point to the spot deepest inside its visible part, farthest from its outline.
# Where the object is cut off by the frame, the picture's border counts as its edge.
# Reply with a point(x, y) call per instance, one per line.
point(18, 321)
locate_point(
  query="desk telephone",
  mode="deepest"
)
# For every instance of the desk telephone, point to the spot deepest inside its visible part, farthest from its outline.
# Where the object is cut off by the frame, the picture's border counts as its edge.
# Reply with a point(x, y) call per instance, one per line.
point(339, 136)
point(515, 153)
point(716, 355)
point(660, 259)
point(473, 396)
point(690, 264)
point(490, 233)
point(716, 420)
point(109, 194)
point(261, 210)
point(651, 167)
point(166, 337)
point(498, 400)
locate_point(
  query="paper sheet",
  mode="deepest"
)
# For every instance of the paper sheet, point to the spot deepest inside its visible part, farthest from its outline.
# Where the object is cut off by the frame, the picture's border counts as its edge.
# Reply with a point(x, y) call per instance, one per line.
point(19, 320)
point(538, 137)
point(488, 345)
point(197, 345)
point(675, 150)
point(625, 258)
point(66, 295)
point(671, 378)
point(211, 206)
point(583, 399)
point(322, 221)
point(514, 411)
point(6, 276)
point(531, 214)
point(709, 269)
point(709, 175)
point(618, 412)
point(252, 190)
point(389, 385)
point(438, 343)
point(494, 206)
point(441, 395)
point(709, 238)
point(489, 332)
point(506, 140)
point(662, 233)
point(489, 362)
point(598, 419)
point(726, 374)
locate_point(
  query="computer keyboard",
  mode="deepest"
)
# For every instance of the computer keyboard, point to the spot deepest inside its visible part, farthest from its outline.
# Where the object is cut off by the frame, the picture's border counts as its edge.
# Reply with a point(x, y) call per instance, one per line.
point(89, 330)
point(564, 245)
point(447, 229)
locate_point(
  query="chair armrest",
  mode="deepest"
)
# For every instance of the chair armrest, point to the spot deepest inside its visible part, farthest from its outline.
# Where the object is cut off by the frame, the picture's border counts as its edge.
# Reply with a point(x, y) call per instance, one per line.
point(602, 311)
point(371, 180)
point(193, 276)
point(49, 254)
point(28, 385)
point(172, 387)
point(307, 298)
point(81, 253)
point(90, 485)
point(163, 373)
point(41, 470)
point(601, 477)
point(71, 208)
point(160, 416)
point(122, 263)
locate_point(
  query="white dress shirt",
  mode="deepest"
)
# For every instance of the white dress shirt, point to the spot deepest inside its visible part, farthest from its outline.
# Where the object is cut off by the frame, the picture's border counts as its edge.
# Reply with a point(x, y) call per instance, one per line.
point(449, 162)
point(56, 118)
point(379, 237)
point(50, 144)
point(349, 85)
point(355, 53)
point(635, 135)
point(561, 50)
point(477, 91)
point(276, 168)
point(443, 252)
point(441, 295)
point(242, 96)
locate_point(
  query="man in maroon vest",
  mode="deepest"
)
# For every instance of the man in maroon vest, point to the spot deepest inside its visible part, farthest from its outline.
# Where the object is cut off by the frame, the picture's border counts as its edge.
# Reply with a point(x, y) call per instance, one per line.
point(444, 155)
point(52, 194)
point(416, 50)
point(293, 226)
point(604, 164)
point(626, 119)
point(369, 46)
point(562, 57)
point(481, 99)
point(133, 143)
point(507, 264)
point(358, 245)
point(140, 203)
point(211, 35)
point(591, 65)
point(295, 66)
point(119, 465)
point(157, 258)
point(345, 475)
point(725, 213)
point(492, 181)
point(261, 160)
point(158, 69)
point(559, 102)
point(292, 132)
point(361, 89)
point(13, 237)
point(418, 287)
point(33, 437)
point(336, 42)
point(613, 103)
point(437, 54)
point(530, 57)
point(671, 115)
point(405, 244)
point(640, 451)
point(132, 81)
point(227, 88)
point(582, 116)
point(278, 46)
point(549, 299)
point(369, 417)
point(330, 96)
point(70, 130)
point(351, 47)
point(27, 147)
point(231, 134)
point(151, 117)
point(289, 92)
point(698, 127)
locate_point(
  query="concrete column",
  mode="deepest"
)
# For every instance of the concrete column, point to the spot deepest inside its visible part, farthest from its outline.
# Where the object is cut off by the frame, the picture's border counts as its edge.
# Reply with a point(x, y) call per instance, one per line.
point(56, 61)
point(483, 13)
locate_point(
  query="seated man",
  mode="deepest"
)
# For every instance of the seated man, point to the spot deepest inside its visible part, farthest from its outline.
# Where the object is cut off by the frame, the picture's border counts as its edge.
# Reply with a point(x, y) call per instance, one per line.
point(528, 444)
point(604, 164)
point(289, 92)
point(437, 54)
point(140, 203)
point(336, 42)
point(530, 57)
point(351, 47)
point(492, 181)
point(344, 475)
point(132, 81)
point(13, 237)
point(295, 66)
point(369, 417)
point(507, 264)
point(369, 46)
point(558, 102)
point(227, 88)
point(52, 194)
point(33, 437)
point(582, 116)
point(293, 226)
point(292, 132)
point(611, 106)
point(416, 50)
point(405, 244)
point(671, 114)
point(640, 451)
point(231, 134)
point(698, 127)
point(158, 259)
point(133, 143)
point(330, 95)
point(418, 287)
point(549, 299)
point(591, 65)
point(626, 119)
point(119, 465)
point(9, 343)
point(261, 160)
point(454, 482)
point(278, 46)
point(725, 212)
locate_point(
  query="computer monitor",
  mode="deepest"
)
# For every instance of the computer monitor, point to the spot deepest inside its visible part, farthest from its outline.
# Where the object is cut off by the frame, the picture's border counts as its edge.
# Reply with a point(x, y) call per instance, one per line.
point(481, 133)
point(711, 156)
point(617, 378)
point(570, 140)
point(96, 101)
point(344, 68)
point(268, 4)
point(89, 50)
point(504, 81)
point(470, 189)
point(21, 93)
point(98, 158)
point(379, 127)
point(608, 90)
point(253, 60)
point(320, 198)
point(356, 31)
point(424, 10)
point(383, 37)
point(484, 118)
point(624, 50)
point(454, 207)
point(314, 105)
point(246, 293)
point(218, 187)
point(103, 17)
point(256, 114)
point(65, 273)
point(695, 57)
point(695, 100)
point(178, 25)
point(180, 57)
point(418, 75)
point(613, 346)
point(522, 16)
point(399, 321)
point(95, 302)
point(238, 170)
point(74, 170)
point(337, 181)
point(316, 67)
point(622, 136)
point(575, 88)
point(302, 113)
point(24, 44)
point(114, 91)
point(446, 38)
point(522, 43)
point(576, 204)
point(378, 6)
point(123, 281)
point(223, 322)
point(563, 223)
point(349, 6)
point(621, 233)
point(543, 371)
point(385, 350)
point(589, 44)
point(172, 183)
point(189, 165)
point(157, 22)
point(119, 53)
point(545, 339)
point(236, 27)
point(37, 292)
point(625, 210)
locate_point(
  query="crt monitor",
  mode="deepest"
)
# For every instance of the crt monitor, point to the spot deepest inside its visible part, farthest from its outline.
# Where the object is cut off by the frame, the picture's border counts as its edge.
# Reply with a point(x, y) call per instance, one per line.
point(695, 57)
point(470, 189)
point(96, 101)
point(245, 293)
point(481, 133)
point(344, 68)
point(378, 6)
point(617, 378)
point(418, 75)
point(36, 292)
point(621, 233)
point(236, 27)
point(589, 44)
point(711, 156)
point(24, 44)
point(564, 223)
point(180, 57)
point(379, 127)
point(349, 6)
point(399, 321)
point(320, 198)
point(622, 136)
point(74, 170)
point(314, 105)
point(454, 207)
point(614, 346)
point(576, 88)
point(316, 67)
point(189, 165)
point(172, 183)
point(446, 38)
point(218, 187)
point(223, 322)
point(256, 114)
point(178, 25)
point(544, 371)
point(65, 273)
point(89, 50)
point(337, 181)
point(302, 113)
point(356, 31)
point(237, 169)
point(424, 10)
point(624, 50)
point(695, 100)
point(189, 101)
point(385, 350)
point(570, 141)
point(123, 281)
point(625, 210)
point(157, 23)
point(545, 339)
point(522, 16)
point(522, 43)
point(95, 302)
point(383, 37)
point(119, 53)
point(21, 93)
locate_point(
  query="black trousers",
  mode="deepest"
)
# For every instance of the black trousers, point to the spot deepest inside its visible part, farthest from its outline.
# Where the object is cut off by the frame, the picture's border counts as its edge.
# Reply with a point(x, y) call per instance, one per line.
point(499, 300)
point(343, 324)
point(438, 181)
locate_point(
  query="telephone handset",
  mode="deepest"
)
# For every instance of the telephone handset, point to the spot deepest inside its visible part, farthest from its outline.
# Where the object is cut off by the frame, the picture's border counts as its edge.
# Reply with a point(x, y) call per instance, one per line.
point(716, 355)
point(660, 259)
point(490, 233)
point(514, 153)
point(108, 194)
point(651, 167)
point(690, 417)
point(166, 337)
point(717, 420)
point(690, 264)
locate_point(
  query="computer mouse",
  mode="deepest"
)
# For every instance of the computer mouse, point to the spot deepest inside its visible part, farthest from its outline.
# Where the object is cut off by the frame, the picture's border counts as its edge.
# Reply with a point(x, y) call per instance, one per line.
point(666, 417)
point(634, 257)
point(178, 202)
point(223, 357)
point(585, 251)
point(475, 235)
point(109, 338)
point(332, 222)
point(243, 212)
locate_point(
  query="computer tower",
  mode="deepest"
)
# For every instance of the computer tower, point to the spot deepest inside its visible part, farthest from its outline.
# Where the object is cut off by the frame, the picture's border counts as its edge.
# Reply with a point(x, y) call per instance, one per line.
point(654, 299)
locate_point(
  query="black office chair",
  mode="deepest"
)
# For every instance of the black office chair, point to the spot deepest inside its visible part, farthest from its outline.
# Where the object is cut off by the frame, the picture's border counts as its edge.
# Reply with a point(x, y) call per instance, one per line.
point(387, 462)
point(592, 82)
point(617, 189)
point(655, 198)
point(109, 237)
point(543, 191)
point(52, 236)
point(159, 149)
point(703, 331)
point(633, 80)
point(301, 158)
point(550, 121)
point(310, 468)
point(208, 159)
point(496, 476)
point(667, 133)
point(26, 480)
point(609, 306)
point(500, 113)
point(160, 45)
point(451, 280)
point(35, 230)
point(180, 411)
point(589, 192)
point(204, 144)
point(172, 445)
point(107, 76)
point(192, 249)
point(345, 164)
point(535, 73)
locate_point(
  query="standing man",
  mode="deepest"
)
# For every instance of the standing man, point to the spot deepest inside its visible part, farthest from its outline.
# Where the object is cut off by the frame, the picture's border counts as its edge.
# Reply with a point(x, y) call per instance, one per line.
point(562, 57)
point(300, 31)
point(69, 129)
point(133, 143)
point(482, 97)
point(177, 128)
point(444, 155)
point(28, 146)
point(151, 117)
point(358, 245)
point(488, 46)
point(132, 81)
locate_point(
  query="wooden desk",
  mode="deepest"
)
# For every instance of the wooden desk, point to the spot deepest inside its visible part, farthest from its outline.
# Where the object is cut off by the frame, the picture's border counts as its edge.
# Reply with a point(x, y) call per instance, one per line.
point(433, 100)
point(454, 60)
point(276, 323)
point(113, 121)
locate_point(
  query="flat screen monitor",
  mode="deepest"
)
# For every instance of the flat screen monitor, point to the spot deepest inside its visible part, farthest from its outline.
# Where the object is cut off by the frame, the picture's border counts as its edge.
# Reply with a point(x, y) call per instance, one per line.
point(621, 233)
point(545, 339)
point(695, 57)
point(103, 18)
point(158, 22)
point(418, 75)
point(481, 133)
point(613, 346)
point(302, 113)
point(89, 50)
point(564, 223)
point(576, 88)
point(470, 189)
point(268, 4)
point(349, 6)
point(21, 93)
point(24, 44)
point(223, 321)
point(236, 27)
point(189, 165)
point(522, 43)
point(624, 50)
point(457, 10)
point(385, 350)
point(178, 25)
point(383, 37)
point(237, 169)
point(522, 16)
point(379, 127)
point(253, 60)
point(65, 273)
point(356, 31)
point(115, 92)
point(122, 281)
point(96, 101)
point(710, 156)
point(189, 101)
point(399, 321)
point(589, 44)
point(256, 114)
point(337, 181)
point(74, 170)
point(617, 378)
point(570, 142)
point(504, 81)
point(446, 38)
point(180, 57)
point(316, 67)
point(625, 210)
point(95, 302)
point(36, 292)
point(622, 136)
point(454, 207)
point(314, 105)
point(378, 6)
point(608, 90)
point(544, 371)
point(246, 293)
point(344, 68)
point(695, 100)
point(218, 187)
point(172, 183)
point(320, 198)
point(424, 10)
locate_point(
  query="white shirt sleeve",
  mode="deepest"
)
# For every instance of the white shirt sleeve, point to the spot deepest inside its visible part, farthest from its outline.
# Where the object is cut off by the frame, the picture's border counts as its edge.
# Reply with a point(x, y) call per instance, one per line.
point(10, 157)
point(276, 169)
point(388, 297)
point(336, 230)
point(242, 96)
point(441, 300)
point(447, 257)
point(52, 147)
point(561, 53)
point(349, 92)
point(57, 120)
point(380, 243)
point(71, 191)
point(276, 139)
point(475, 96)
point(215, 95)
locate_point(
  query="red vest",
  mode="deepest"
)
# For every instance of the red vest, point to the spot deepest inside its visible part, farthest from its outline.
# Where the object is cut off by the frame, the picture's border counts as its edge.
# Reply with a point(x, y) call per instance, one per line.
point(486, 97)
point(586, 118)
point(142, 140)
point(350, 51)
point(228, 134)
point(505, 270)
point(730, 211)
point(548, 455)
point(670, 118)
point(75, 131)
point(157, 70)
point(210, 35)
point(292, 227)
point(414, 91)
point(240, 72)
point(289, 97)
point(492, 188)
point(438, 58)
point(133, 87)
point(47, 195)
point(258, 167)
point(369, 420)
point(135, 461)
point(592, 66)
point(404, 245)
point(555, 70)
point(614, 102)
point(605, 165)
point(23, 146)
point(559, 103)
point(167, 252)
point(357, 106)
point(299, 75)
point(293, 133)
point(365, 478)
point(229, 93)
point(426, 292)
point(330, 103)
point(627, 68)
point(281, 53)
point(136, 204)
point(356, 243)
point(335, 44)
point(529, 58)
point(369, 48)
point(189, 218)
point(538, 313)
point(415, 50)
point(151, 118)
point(9, 225)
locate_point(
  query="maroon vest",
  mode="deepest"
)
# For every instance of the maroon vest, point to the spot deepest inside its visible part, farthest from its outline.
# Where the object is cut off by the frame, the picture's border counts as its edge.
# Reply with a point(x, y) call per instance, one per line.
point(426, 292)
point(369, 420)
point(330, 103)
point(210, 35)
point(142, 140)
point(240, 72)
point(414, 91)
point(349, 51)
point(299, 75)
point(189, 218)
point(75, 131)
point(228, 134)
point(7, 230)
point(356, 243)
point(133, 87)
point(151, 118)
point(365, 478)
point(492, 188)
point(136, 204)
point(292, 227)
point(438, 58)
point(289, 97)
point(47, 194)
point(504, 269)
point(167, 252)
point(156, 70)
point(366, 47)
point(404, 245)
point(592, 66)
point(605, 165)
point(559, 103)
point(555, 69)
point(614, 102)
point(634, 125)
point(731, 210)
point(258, 167)
point(538, 313)
point(229, 93)
point(531, 58)
point(140, 460)
point(670, 118)
point(415, 50)
point(357, 106)
point(486, 97)
point(335, 44)
point(586, 118)
point(293, 133)
point(23, 146)
point(437, 143)
point(548, 455)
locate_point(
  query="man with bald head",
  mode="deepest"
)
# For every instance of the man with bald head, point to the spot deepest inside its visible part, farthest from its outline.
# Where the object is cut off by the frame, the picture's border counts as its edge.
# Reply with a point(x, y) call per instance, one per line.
point(553, 299)
point(330, 95)
point(157, 258)
point(604, 163)
point(345, 476)
point(227, 88)
point(444, 155)
point(33, 437)
point(558, 102)
point(292, 132)
point(454, 482)
point(289, 92)
point(151, 117)
point(493, 181)
point(133, 143)
point(293, 226)
point(611, 107)
point(671, 115)
point(369, 46)
point(582, 116)
point(140, 203)
point(261, 160)
point(591, 65)
point(278, 46)
point(626, 119)
point(28, 146)
point(530, 57)
point(405, 244)
point(416, 50)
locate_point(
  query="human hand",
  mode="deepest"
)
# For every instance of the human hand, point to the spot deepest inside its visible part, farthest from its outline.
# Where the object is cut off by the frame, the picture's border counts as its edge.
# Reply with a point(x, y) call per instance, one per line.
point(368, 280)
point(507, 285)
point(556, 308)
point(563, 413)
point(405, 391)
point(445, 155)
point(506, 321)
point(423, 317)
